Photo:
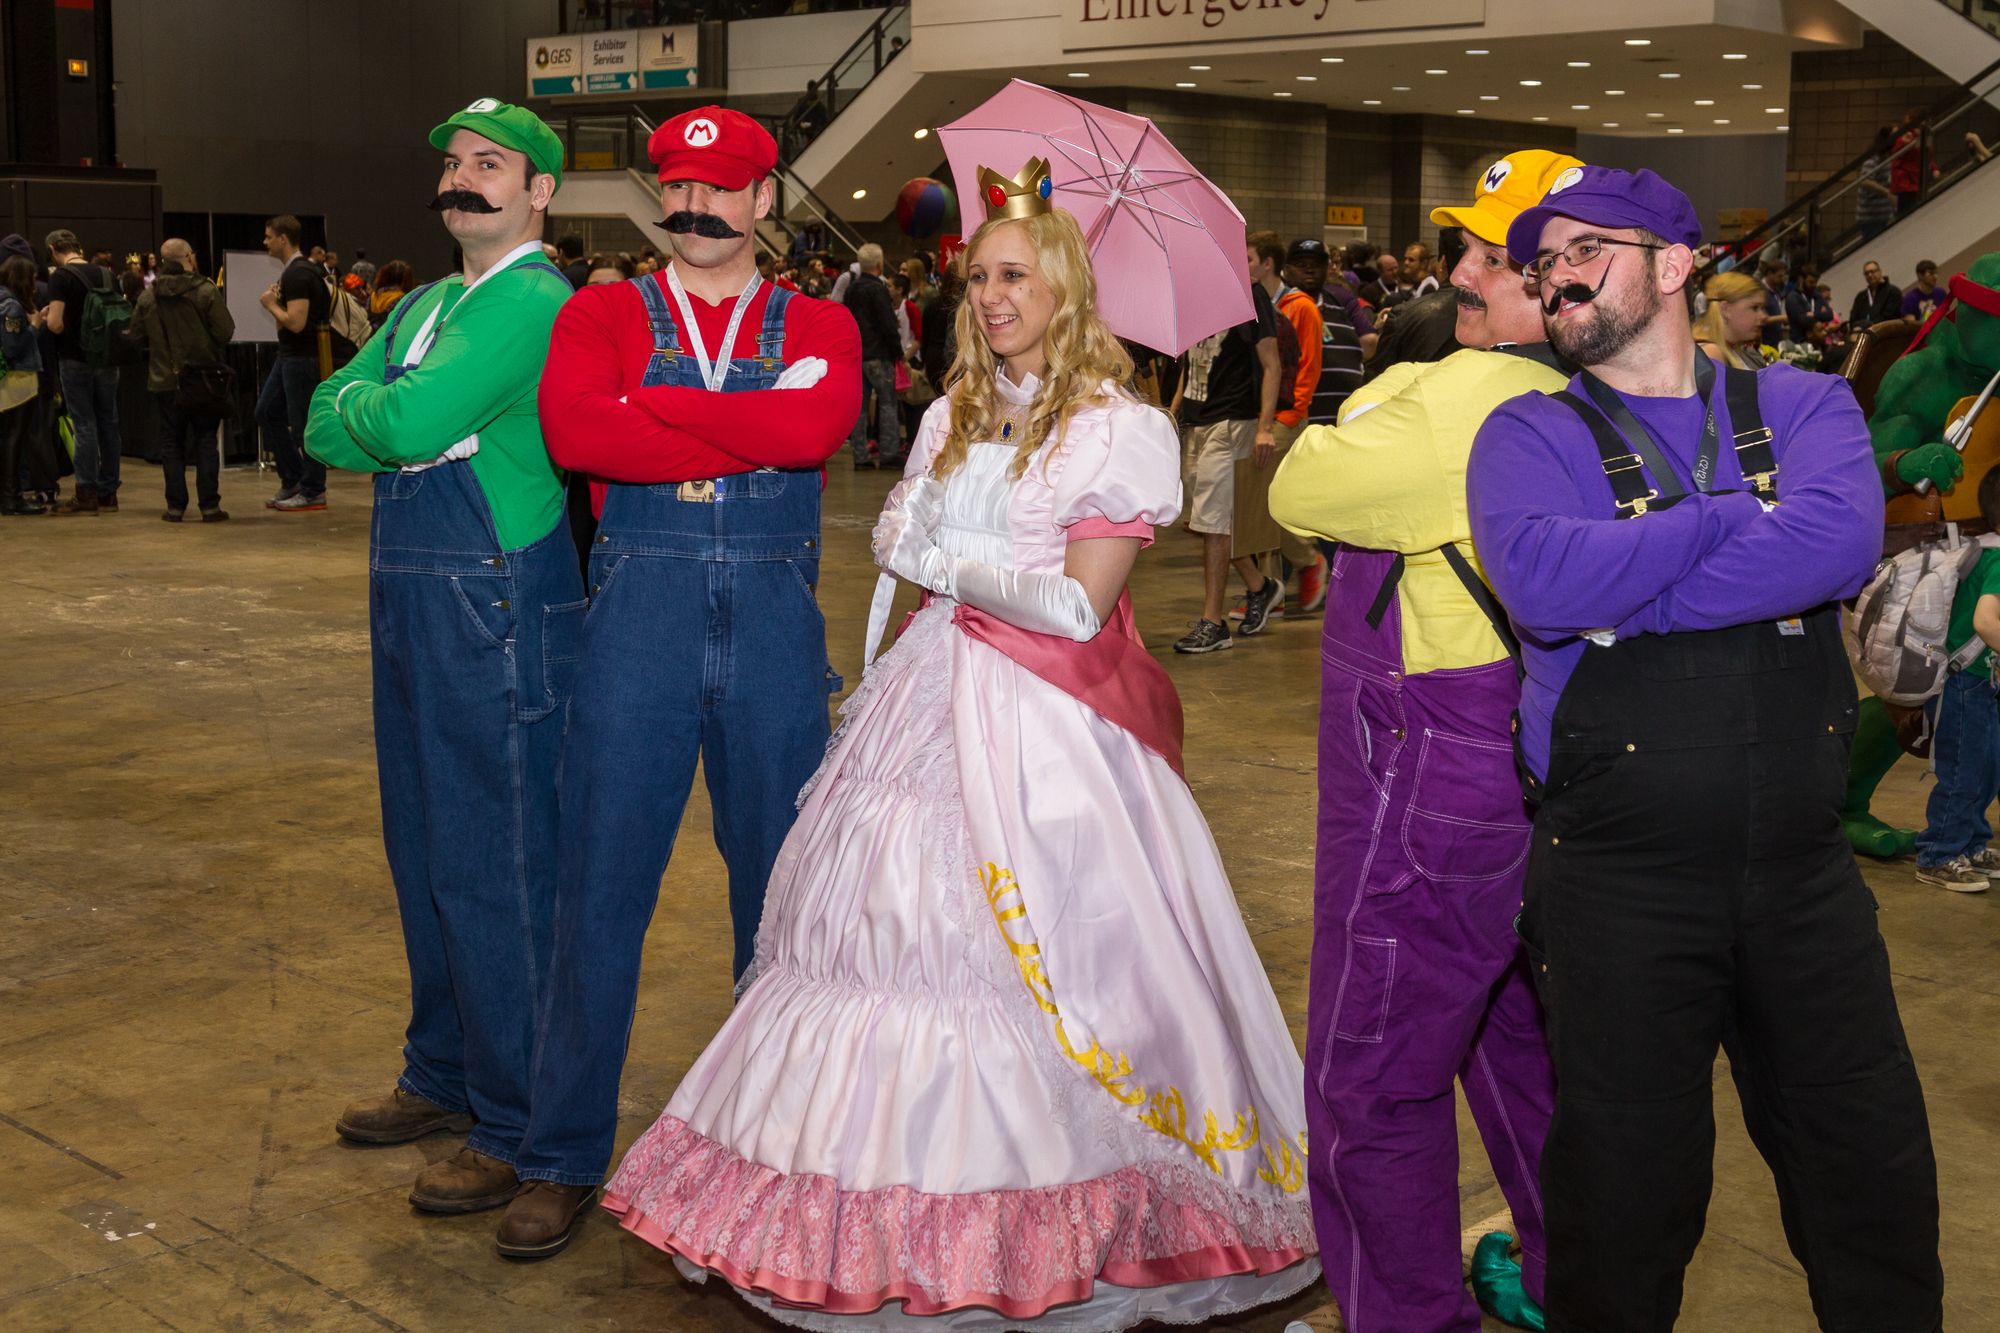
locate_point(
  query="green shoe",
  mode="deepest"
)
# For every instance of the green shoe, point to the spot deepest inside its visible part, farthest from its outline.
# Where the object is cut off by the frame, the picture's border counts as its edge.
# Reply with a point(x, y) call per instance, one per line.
point(1496, 1284)
point(1869, 836)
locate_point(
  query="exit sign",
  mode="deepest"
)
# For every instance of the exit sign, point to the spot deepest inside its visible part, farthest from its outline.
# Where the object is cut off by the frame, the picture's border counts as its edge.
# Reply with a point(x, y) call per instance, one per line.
point(1343, 215)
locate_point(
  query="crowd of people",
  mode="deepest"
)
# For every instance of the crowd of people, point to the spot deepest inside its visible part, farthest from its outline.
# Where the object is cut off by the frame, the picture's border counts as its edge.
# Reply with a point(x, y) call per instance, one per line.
point(1553, 605)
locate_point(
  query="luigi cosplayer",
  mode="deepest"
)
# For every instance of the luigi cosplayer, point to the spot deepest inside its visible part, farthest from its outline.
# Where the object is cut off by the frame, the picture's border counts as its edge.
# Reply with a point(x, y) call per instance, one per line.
point(475, 604)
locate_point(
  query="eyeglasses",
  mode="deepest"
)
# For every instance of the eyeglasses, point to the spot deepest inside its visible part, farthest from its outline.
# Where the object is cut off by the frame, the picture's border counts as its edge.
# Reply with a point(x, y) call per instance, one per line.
point(1578, 253)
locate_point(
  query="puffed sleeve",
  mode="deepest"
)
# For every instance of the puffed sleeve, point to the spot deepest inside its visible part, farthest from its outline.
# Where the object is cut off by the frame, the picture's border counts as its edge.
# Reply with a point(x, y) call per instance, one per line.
point(931, 431)
point(1120, 473)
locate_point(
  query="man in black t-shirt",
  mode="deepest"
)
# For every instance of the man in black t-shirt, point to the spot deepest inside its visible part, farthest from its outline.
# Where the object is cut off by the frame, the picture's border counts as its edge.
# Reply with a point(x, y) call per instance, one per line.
point(569, 251)
point(1229, 400)
point(90, 393)
point(299, 302)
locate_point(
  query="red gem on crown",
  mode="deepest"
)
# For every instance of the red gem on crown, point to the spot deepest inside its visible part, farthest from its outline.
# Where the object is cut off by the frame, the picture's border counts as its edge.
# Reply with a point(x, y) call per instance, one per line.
point(996, 196)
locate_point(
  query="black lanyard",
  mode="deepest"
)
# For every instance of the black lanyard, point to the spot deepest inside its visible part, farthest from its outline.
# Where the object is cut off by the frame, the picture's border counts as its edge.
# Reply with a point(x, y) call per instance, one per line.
point(1640, 437)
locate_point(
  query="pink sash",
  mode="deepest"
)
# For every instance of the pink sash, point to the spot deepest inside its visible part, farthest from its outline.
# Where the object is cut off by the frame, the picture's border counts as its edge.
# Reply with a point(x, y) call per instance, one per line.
point(1112, 675)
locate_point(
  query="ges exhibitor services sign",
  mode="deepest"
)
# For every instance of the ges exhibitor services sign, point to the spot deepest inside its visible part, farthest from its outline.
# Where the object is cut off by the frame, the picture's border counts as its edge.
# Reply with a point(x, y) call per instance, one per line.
point(628, 61)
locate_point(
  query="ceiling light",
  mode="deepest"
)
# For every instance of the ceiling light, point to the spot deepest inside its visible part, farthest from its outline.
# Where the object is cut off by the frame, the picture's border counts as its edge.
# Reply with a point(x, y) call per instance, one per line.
point(1669, 74)
point(1489, 97)
point(1371, 101)
point(1610, 124)
point(1704, 101)
point(922, 134)
point(1675, 129)
point(1579, 106)
point(1465, 111)
point(1306, 78)
point(1538, 117)
point(1400, 88)
point(1721, 121)
point(1437, 71)
point(1281, 94)
point(1638, 41)
point(1477, 51)
point(1579, 64)
point(1333, 60)
point(861, 194)
point(1078, 74)
point(1656, 115)
point(1531, 83)
point(1183, 85)
point(1201, 67)
point(1734, 55)
point(1774, 111)
point(1753, 87)
point(1784, 127)
point(1614, 92)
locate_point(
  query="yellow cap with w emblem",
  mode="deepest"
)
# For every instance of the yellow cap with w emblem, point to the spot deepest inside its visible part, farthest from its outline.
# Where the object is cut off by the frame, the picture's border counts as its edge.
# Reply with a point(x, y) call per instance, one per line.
point(1506, 189)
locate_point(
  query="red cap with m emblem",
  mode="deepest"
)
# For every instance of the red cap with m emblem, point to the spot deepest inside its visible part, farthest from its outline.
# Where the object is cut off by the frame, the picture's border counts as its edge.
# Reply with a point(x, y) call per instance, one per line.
point(715, 146)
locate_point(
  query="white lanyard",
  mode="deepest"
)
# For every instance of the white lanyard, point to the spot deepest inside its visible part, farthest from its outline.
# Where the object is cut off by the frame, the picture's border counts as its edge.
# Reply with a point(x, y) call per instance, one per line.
point(712, 373)
point(433, 324)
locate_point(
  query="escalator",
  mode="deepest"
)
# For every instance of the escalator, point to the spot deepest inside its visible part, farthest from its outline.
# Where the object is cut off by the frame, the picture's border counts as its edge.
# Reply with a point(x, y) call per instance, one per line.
point(1955, 213)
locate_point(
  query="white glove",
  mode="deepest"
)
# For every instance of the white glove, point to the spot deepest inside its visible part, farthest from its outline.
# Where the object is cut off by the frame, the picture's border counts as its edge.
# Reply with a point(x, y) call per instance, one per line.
point(1051, 603)
point(903, 540)
point(458, 453)
point(802, 374)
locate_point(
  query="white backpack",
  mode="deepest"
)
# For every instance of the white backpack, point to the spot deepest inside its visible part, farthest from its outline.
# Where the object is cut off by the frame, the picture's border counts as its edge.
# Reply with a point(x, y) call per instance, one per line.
point(1895, 634)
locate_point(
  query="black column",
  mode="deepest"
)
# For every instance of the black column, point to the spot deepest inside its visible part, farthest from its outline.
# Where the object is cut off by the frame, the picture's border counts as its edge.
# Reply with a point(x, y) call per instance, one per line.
point(53, 115)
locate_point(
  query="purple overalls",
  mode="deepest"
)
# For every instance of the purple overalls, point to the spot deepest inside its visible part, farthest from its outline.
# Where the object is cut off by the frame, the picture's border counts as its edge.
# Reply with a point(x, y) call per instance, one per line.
point(1417, 975)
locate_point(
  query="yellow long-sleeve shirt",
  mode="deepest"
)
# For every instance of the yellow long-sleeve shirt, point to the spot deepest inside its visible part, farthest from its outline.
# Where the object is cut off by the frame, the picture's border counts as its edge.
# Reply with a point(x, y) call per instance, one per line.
point(1391, 477)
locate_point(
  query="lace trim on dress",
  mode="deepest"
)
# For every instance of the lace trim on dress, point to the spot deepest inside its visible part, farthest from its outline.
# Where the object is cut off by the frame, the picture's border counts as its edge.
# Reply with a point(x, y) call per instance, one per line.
point(806, 1242)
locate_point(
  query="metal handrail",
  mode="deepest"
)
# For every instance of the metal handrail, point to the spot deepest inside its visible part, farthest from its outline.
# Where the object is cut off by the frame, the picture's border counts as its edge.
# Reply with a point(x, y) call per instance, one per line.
point(1813, 220)
point(815, 111)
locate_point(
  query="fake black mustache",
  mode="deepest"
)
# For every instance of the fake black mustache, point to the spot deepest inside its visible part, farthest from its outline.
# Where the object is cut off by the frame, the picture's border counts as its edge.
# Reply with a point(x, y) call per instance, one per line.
point(1575, 291)
point(1468, 299)
point(701, 224)
point(465, 201)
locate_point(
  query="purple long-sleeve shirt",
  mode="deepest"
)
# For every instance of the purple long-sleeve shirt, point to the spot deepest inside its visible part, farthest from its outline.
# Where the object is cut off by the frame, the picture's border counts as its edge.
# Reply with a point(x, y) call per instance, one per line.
point(1543, 524)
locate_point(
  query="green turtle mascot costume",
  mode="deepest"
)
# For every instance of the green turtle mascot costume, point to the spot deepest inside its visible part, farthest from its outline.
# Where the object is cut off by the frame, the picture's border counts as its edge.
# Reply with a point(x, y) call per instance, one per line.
point(1954, 357)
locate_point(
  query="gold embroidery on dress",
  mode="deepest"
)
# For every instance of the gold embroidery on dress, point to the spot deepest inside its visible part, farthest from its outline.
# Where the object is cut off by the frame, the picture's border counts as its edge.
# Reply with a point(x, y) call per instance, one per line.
point(1165, 1110)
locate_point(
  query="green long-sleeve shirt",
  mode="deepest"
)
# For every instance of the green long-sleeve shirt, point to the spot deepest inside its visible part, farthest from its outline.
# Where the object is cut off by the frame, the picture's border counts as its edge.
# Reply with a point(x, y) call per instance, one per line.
point(479, 377)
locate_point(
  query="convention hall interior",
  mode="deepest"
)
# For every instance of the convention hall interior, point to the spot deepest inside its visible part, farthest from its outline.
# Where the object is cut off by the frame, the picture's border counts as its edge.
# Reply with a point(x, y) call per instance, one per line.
point(214, 969)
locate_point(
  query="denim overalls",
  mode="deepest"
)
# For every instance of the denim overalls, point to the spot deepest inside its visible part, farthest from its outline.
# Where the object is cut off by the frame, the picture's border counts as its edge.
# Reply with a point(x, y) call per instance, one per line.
point(703, 641)
point(474, 648)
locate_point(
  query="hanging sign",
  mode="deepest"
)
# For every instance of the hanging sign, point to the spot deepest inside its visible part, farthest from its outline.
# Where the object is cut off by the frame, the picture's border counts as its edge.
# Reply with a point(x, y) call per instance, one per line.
point(610, 63)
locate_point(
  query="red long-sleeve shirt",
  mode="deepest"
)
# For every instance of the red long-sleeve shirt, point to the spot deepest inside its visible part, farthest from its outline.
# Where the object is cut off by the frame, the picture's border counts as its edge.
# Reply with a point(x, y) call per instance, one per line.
point(598, 354)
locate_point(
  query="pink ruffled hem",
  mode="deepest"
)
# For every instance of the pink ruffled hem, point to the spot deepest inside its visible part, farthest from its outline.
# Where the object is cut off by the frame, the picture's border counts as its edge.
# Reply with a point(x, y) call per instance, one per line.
point(804, 1242)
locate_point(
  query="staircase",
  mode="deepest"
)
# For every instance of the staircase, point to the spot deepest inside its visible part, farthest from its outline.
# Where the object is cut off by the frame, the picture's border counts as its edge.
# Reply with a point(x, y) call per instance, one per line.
point(1958, 37)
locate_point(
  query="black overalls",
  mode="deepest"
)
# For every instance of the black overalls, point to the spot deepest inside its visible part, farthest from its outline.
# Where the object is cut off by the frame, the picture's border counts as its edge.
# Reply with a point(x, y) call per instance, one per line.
point(1689, 886)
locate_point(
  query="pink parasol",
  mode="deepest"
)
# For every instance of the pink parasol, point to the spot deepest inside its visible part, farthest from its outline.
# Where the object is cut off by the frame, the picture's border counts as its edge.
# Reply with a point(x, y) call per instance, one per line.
point(1167, 245)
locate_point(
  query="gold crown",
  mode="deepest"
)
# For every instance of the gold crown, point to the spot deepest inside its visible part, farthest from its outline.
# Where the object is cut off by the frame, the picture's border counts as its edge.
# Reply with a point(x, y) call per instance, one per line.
point(1025, 196)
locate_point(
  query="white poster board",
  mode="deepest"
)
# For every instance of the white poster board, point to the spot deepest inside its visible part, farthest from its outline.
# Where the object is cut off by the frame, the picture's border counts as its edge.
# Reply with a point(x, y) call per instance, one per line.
point(246, 275)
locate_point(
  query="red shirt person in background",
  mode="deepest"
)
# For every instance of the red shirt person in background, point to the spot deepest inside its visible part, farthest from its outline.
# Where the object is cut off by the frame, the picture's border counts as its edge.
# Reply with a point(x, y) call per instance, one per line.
point(702, 402)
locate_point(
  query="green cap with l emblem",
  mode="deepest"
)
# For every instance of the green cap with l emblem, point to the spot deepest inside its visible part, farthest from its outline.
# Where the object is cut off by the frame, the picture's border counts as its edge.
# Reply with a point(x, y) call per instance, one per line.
point(510, 126)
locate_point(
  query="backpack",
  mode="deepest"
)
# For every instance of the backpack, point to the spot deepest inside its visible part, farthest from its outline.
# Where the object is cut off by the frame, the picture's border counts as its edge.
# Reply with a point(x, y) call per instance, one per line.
point(1895, 634)
point(106, 315)
point(346, 316)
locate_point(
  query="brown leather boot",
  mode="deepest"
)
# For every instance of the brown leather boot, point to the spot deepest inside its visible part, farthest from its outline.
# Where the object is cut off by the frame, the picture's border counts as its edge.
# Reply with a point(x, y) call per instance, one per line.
point(539, 1221)
point(82, 501)
point(467, 1182)
point(399, 1117)
point(107, 504)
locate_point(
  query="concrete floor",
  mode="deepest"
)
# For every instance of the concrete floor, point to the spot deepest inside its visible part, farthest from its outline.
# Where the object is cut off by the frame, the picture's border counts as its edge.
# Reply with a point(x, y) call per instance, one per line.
point(201, 960)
